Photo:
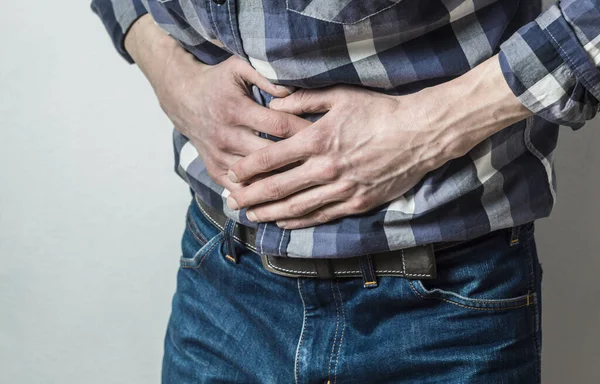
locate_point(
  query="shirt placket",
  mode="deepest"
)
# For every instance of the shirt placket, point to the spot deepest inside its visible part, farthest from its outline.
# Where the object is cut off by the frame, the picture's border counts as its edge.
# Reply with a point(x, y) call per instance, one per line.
point(224, 22)
point(223, 17)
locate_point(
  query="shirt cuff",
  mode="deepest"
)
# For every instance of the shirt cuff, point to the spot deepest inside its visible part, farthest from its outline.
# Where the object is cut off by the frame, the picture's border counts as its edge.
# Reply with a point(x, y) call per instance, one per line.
point(550, 71)
point(118, 16)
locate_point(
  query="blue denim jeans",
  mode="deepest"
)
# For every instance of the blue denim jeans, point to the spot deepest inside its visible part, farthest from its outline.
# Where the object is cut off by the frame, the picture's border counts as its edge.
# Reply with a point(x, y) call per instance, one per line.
point(477, 322)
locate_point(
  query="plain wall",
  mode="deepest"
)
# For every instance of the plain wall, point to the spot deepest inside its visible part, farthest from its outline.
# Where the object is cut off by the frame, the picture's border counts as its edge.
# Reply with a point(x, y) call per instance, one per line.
point(91, 213)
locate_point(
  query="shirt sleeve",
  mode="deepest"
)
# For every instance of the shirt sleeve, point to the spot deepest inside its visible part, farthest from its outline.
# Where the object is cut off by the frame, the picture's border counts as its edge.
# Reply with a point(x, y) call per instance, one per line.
point(118, 16)
point(551, 64)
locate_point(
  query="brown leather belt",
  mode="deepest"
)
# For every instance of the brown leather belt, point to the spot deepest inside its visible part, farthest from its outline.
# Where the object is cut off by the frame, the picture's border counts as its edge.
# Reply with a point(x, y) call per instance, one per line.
point(411, 263)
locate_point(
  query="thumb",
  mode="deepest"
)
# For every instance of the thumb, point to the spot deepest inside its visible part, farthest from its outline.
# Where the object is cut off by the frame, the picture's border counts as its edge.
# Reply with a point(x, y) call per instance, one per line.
point(250, 75)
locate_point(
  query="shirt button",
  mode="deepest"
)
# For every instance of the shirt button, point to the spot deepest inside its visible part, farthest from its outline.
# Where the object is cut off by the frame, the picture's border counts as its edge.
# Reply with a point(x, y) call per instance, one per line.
point(219, 2)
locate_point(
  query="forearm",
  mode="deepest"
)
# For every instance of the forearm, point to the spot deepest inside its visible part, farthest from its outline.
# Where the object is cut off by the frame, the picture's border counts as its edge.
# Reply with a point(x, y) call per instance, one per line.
point(155, 52)
point(473, 106)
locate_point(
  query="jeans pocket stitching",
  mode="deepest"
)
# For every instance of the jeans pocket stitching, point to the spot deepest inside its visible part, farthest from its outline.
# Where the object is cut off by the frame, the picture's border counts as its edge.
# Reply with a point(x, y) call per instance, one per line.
point(198, 258)
point(193, 227)
point(478, 304)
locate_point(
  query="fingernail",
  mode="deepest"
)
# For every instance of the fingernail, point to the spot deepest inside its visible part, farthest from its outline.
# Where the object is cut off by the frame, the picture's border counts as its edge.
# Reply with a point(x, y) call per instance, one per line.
point(232, 203)
point(232, 176)
point(251, 216)
point(281, 224)
point(275, 103)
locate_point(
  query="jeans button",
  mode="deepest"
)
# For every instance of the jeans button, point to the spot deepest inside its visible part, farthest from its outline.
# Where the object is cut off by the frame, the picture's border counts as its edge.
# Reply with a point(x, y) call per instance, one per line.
point(219, 2)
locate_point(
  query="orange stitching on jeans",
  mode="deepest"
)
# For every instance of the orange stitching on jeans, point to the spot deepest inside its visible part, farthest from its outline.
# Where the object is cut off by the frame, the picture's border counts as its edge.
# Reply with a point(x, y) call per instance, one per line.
point(231, 229)
point(203, 257)
point(370, 282)
point(337, 357)
point(301, 332)
point(465, 306)
point(492, 301)
point(337, 325)
point(230, 258)
point(189, 222)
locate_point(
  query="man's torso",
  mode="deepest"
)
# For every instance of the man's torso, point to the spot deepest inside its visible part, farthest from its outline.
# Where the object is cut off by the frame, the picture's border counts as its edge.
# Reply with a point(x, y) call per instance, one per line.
point(396, 47)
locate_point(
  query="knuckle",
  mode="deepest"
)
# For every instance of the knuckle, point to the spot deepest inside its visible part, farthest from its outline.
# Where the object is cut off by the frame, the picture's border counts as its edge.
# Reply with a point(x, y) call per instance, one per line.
point(316, 143)
point(221, 143)
point(360, 204)
point(306, 99)
point(297, 209)
point(302, 95)
point(282, 128)
point(227, 114)
point(229, 118)
point(346, 187)
point(322, 217)
point(222, 163)
point(274, 190)
point(275, 123)
point(331, 171)
point(219, 116)
point(264, 160)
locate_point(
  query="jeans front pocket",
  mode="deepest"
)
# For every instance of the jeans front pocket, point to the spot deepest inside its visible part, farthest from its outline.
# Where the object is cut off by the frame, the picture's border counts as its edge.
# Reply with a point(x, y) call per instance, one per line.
point(200, 238)
point(488, 273)
point(340, 11)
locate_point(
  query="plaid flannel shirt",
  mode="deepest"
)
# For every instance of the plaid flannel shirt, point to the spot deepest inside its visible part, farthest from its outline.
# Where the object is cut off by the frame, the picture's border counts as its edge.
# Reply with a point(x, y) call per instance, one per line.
point(550, 60)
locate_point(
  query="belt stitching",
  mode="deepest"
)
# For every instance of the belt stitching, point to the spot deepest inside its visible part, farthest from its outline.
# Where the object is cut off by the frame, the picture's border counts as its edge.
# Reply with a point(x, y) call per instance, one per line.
point(403, 272)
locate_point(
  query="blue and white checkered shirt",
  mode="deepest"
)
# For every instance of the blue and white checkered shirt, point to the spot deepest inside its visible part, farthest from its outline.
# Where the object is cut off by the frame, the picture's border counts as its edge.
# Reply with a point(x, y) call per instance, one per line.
point(550, 61)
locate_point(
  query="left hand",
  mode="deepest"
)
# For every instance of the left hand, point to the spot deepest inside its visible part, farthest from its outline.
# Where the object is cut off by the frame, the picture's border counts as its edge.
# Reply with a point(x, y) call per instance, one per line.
point(368, 149)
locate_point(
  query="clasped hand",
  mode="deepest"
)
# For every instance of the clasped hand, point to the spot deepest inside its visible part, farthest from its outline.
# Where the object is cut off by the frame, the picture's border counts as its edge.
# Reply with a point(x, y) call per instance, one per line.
point(368, 149)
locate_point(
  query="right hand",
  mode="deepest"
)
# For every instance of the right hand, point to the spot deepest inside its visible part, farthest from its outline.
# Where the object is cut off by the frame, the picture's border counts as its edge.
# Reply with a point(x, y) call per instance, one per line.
point(211, 105)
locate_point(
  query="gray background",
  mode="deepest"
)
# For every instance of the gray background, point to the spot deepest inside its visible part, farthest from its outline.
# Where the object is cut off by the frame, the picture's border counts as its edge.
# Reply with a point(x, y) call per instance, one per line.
point(91, 213)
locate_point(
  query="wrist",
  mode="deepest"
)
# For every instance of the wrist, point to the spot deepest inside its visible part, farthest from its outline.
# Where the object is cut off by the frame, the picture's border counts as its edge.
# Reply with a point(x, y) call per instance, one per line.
point(148, 44)
point(137, 34)
point(473, 107)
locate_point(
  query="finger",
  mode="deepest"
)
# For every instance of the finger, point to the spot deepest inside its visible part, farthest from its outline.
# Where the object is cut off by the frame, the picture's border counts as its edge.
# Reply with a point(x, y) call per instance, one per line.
point(247, 142)
point(275, 123)
point(251, 75)
point(224, 181)
point(322, 215)
point(271, 157)
point(306, 101)
point(219, 161)
point(275, 187)
point(219, 176)
point(299, 204)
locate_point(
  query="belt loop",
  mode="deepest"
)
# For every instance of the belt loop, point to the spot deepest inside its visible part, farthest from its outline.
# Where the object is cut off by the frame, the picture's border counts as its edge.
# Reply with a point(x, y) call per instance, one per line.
point(229, 231)
point(514, 235)
point(368, 272)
